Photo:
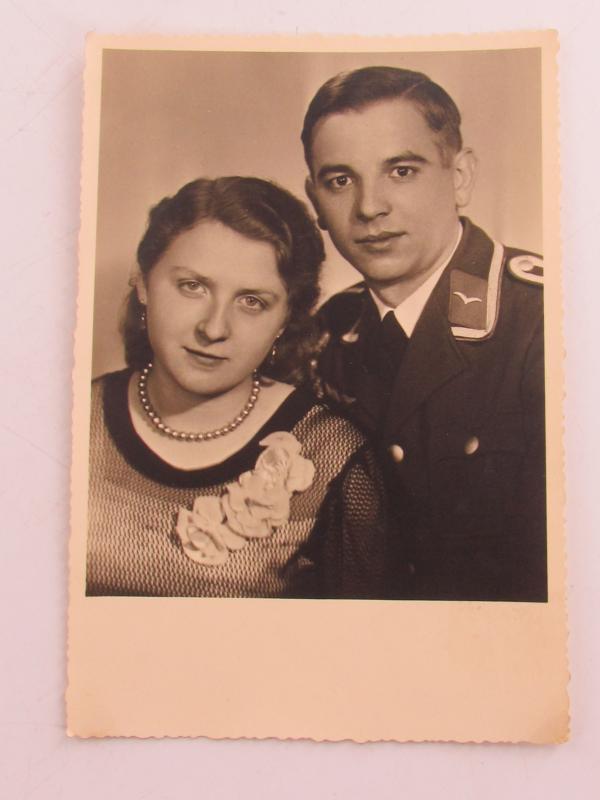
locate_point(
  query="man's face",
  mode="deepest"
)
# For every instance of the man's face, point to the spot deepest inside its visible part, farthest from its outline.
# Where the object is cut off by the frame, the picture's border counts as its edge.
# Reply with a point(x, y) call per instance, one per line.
point(382, 190)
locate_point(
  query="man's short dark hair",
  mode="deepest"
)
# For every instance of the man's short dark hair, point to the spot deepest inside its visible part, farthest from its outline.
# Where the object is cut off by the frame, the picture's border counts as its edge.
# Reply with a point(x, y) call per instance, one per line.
point(352, 91)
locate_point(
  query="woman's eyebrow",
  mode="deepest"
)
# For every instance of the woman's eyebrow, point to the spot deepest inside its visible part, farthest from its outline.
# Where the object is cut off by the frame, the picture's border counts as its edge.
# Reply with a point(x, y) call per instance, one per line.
point(270, 292)
point(190, 272)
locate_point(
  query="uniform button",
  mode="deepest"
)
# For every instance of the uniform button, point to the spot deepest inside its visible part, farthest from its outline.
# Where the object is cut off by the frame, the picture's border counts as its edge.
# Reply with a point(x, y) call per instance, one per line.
point(397, 453)
point(471, 445)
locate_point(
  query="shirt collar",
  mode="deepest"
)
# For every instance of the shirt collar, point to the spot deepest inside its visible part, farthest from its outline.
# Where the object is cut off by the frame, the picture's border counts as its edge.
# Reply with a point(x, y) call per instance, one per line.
point(409, 310)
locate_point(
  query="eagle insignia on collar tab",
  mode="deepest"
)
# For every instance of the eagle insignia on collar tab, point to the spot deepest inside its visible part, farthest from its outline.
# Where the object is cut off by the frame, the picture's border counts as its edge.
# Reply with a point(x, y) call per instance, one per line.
point(474, 301)
point(468, 300)
point(527, 268)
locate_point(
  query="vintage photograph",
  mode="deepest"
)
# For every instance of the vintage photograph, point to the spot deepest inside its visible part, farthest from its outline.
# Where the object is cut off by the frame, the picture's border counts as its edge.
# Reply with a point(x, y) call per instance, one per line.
point(312, 386)
point(274, 432)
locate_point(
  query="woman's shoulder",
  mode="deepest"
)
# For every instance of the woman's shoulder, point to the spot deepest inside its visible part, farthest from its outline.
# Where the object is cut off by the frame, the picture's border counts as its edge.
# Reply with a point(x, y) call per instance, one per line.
point(325, 417)
point(325, 428)
point(110, 387)
point(118, 377)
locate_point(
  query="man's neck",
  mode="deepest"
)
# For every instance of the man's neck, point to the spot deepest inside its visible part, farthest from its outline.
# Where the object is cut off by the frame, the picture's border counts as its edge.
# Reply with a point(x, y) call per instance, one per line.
point(393, 294)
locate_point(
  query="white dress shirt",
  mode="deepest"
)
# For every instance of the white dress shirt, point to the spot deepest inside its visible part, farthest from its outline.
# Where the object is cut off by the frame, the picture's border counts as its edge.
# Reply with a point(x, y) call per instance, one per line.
point(409, 310)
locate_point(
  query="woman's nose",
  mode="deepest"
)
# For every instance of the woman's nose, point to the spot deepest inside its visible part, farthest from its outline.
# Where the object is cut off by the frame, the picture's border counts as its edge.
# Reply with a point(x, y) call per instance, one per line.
point(371, 201)
point(214, 324)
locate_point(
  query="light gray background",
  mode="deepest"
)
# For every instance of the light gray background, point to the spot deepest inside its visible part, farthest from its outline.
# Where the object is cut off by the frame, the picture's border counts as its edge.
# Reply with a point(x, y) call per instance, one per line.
point(42, 62)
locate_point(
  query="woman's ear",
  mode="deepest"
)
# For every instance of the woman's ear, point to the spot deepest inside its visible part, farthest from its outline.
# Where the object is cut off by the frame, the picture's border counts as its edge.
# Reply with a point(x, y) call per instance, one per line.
point(309, 188)
point(140, 289)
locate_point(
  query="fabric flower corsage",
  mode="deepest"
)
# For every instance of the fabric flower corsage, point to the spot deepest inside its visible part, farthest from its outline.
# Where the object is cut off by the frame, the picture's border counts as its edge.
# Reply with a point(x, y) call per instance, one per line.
point(251, 508)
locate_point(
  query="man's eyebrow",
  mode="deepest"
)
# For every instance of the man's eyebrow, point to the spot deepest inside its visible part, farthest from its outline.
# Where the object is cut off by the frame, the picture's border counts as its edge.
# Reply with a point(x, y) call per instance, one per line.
point(406, 156)
point(327, 168)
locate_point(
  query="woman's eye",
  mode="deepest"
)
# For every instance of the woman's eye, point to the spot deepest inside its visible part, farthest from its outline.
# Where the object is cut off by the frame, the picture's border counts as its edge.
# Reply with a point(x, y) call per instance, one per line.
point(252, 303)
point(192, 287)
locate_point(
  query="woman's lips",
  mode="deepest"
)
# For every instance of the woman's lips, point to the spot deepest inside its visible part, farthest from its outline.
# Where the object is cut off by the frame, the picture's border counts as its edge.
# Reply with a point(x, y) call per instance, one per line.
point(205, 358)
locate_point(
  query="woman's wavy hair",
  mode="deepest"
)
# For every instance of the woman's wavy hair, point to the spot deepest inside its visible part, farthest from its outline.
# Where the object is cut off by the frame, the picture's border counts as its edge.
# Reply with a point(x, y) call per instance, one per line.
point(262, 211)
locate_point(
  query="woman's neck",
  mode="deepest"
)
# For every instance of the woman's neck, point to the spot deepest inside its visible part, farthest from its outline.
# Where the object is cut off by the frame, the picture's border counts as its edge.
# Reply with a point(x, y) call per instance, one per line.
point(187, 455)
point(192, 412)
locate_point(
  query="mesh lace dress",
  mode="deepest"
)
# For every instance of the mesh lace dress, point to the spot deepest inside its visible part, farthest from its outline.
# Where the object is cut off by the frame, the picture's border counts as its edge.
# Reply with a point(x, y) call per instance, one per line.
point(332, 543)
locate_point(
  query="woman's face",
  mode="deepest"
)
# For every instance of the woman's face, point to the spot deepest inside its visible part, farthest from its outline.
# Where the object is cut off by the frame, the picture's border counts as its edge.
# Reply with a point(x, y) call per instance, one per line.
point(215, 302)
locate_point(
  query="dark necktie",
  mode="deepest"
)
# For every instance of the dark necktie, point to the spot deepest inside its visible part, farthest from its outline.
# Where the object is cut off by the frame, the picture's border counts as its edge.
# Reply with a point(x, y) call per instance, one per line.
point(390, 345)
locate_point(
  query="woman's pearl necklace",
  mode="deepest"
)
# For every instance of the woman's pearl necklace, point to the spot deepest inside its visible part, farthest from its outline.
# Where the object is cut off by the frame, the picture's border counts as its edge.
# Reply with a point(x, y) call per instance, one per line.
point(193, 437)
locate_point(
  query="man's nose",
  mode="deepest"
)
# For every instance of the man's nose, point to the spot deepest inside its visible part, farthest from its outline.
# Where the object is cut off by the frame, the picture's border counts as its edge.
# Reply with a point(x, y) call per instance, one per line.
point(371, 201)
point(214, 323)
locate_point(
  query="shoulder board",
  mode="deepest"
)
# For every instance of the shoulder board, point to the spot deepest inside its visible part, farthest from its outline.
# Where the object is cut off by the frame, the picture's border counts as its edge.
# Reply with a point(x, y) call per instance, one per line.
point(527, 267)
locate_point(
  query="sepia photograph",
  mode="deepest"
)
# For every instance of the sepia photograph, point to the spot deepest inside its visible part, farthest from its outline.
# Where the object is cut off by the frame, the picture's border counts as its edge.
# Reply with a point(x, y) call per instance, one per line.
point(319, 279)
point(312, 316)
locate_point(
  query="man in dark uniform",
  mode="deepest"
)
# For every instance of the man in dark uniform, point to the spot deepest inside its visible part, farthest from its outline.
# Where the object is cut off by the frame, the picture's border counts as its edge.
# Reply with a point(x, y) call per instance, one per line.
point(438, 354)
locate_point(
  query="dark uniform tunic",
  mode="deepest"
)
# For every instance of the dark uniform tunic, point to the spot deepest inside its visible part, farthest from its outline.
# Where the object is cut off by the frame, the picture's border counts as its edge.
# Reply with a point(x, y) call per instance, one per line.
point(462, 430)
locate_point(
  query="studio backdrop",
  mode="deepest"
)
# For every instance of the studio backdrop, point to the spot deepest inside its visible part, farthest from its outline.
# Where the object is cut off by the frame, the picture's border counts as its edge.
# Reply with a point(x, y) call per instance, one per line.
point(169, 117)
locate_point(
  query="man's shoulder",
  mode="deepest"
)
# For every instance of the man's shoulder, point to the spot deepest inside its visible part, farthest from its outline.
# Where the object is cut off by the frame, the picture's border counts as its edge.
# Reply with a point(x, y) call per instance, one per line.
point(481, 256)
point(521, 296)
point(342, 310)
point(524, 266)
point(487, 280)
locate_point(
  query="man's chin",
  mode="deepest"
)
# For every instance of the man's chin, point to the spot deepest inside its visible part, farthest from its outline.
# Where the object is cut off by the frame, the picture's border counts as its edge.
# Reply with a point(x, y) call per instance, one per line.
point(384, 272)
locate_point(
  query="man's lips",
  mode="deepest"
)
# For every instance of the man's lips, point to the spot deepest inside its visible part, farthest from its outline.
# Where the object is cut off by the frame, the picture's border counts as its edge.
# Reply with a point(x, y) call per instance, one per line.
point(384, 236)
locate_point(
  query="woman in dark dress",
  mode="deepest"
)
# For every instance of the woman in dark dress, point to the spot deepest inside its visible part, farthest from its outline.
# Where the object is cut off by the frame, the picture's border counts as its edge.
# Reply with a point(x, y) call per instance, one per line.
point(212, 471)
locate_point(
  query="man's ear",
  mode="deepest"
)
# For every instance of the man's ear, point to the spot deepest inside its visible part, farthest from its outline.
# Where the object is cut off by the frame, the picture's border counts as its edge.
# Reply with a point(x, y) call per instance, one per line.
point(140, 289)
point(309, 188)
point(465, 169)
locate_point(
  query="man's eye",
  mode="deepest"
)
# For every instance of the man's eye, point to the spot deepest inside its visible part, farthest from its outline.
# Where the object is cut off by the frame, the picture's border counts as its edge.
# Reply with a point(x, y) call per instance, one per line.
point(339, 182)
point(403, 172)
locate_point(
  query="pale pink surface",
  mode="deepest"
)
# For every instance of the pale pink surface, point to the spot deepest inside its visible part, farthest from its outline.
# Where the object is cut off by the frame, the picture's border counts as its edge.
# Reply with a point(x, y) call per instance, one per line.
point(41, 119)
